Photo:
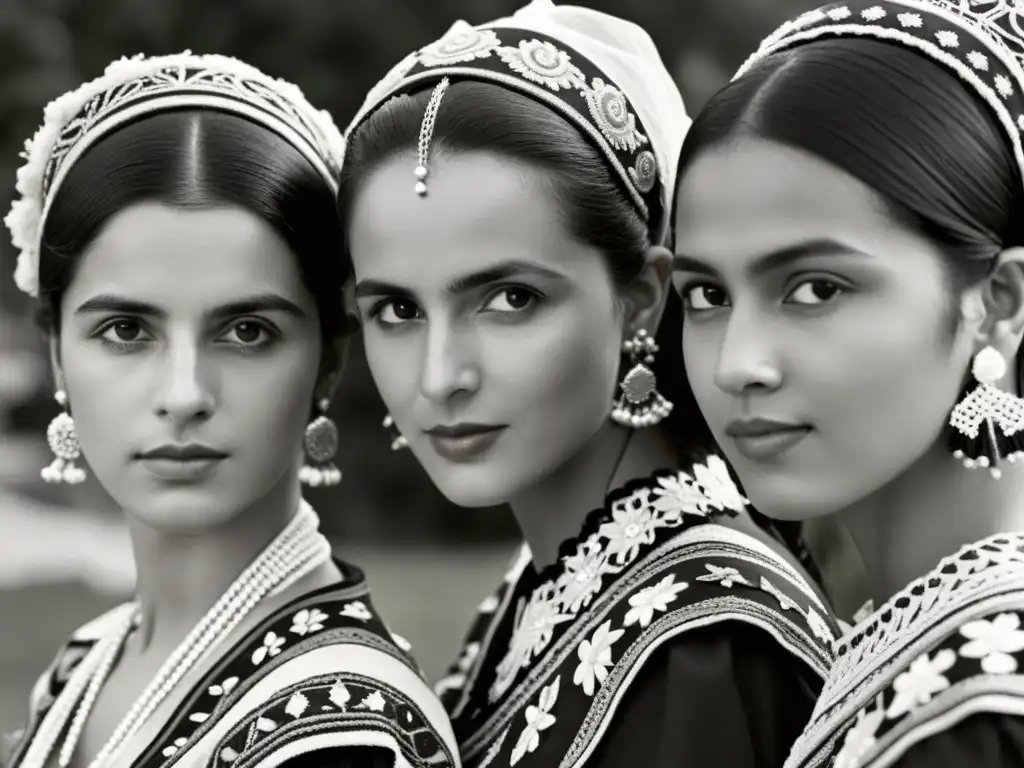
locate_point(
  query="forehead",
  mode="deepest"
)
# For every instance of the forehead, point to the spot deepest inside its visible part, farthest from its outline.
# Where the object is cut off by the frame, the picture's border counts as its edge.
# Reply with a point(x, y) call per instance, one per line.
point(172, 256)
point(749, 197)
point(479, 210)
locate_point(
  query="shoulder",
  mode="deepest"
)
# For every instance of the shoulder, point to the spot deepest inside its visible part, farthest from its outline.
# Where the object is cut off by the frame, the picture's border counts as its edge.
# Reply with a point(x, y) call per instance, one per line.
point(324, 674)
point(967, 687)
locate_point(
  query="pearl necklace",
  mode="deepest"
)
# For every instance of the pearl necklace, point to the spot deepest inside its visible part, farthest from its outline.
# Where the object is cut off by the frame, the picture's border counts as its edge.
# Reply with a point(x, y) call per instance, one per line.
point(298, 550)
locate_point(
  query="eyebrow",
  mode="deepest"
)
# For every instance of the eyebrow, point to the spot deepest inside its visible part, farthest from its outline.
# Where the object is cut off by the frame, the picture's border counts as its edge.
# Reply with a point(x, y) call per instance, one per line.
point(770, 261)
point(265, 302)
point(465, 283)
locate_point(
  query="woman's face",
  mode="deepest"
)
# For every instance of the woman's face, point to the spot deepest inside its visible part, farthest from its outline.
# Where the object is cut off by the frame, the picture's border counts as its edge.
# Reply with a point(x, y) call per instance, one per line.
point(821, 339)
point(189, 350)
point(492, 334)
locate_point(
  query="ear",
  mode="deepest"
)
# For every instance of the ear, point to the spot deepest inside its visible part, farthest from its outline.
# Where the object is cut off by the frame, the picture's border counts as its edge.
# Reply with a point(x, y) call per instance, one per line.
point(1002, 294)
point(55, 367)
point(646, 293)
point(334, 361)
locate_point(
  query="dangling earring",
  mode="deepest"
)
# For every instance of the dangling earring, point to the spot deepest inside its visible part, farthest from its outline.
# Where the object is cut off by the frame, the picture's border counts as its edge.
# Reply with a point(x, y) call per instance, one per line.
point(321, 440)
point(63, 442)
point(976, 440)
point(640, 404)
point(399, 442)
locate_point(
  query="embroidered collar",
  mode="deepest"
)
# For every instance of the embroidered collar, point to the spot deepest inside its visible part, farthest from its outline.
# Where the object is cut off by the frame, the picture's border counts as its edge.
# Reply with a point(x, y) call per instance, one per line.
point(632, 521)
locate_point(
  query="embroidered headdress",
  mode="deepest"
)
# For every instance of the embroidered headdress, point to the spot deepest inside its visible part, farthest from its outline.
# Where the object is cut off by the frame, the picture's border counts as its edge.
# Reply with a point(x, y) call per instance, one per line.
point(601, 73)
point(982, 41)
point(135, 87)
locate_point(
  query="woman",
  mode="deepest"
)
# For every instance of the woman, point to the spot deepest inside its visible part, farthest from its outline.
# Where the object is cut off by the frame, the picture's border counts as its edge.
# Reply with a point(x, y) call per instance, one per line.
point(504, 200)
point(849, 232)
point(176, 222)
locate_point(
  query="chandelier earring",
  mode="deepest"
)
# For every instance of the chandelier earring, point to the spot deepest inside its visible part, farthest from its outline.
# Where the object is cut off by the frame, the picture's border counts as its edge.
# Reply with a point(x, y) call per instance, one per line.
point(987, 423)
point(398, 441)
point(321, 443)
point(63, 442)
point(640, 404)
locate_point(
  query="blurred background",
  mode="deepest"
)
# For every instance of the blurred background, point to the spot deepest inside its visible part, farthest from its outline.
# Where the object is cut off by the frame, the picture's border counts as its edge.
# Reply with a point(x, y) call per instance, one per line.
point(64, 556)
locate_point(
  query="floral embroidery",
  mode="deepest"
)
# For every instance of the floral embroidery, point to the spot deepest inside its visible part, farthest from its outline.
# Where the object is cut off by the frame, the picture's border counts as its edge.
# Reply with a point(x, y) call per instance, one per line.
point(714, 478)
point(911, 20)
point(581, 579)
point(534, 630)
point(632, 526)
point(296, 705)
point(224, 688)
point(859, 739)
point(840, 13)
point(339, 695)
point(947, 39)
point(374, 702)
point(611, 112)
point(462, 43)
point(726, 576)
point(357, 610)
point(656, 598)
point(538, 718)
point(784, 602)
point(271, 647)
point(922, 680)
point(818, 626)
point(542, 63)
point(874, 13)
point(595, 657)
point(679, 495)
point(307, 621)
point(993, 642)
point(644, 172)
point(1004, 86)
point(171, 749)
point(401, 642)
point(978, 60)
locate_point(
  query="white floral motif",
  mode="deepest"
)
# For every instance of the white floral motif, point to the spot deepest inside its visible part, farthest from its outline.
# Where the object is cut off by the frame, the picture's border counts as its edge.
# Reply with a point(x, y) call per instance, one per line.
point(610, 110)
point(784, 602)
point(860, 738)
point(811, 17)
point(175, 746)
point(374, 702)
point(542, 63)
point(581, 579)
point(595, 657)
point(223, 689)
point(978, 60)
point(654, 598)
point(874, 13)
point(307, 621)
point(840, 13)
point(271, 647)
point(296, 705)
point(714, 478)
point(993, 642)
point(460, 44)
point(538, 718)
point(1004, 86)
point(726, 576)
point(357, 610)
point(339, 695)
point(401, 642)
point(633, 524)
point(534, 629)
point(922, 680)
point(911, 20)
point(947, 39)
point(679, 495)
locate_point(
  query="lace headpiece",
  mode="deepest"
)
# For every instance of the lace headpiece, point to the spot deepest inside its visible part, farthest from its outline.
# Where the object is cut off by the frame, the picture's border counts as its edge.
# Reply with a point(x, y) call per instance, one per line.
point(134, 87)
point(982, 41)
point(601, 73)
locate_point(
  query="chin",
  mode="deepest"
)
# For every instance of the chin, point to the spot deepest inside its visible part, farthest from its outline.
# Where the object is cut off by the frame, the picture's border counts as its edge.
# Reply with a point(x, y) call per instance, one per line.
point(183, 510)
point(479, 484)
point(789, 498)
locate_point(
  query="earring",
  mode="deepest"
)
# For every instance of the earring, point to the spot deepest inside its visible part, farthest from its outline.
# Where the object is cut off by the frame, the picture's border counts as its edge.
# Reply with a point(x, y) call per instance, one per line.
point(976, 440)
point(321, 441)
point(640, 404)
point(63, 442)
point(399, 442)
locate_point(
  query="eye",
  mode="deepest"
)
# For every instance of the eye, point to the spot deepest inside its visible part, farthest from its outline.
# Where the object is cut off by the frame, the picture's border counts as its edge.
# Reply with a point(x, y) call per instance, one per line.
point(395, 312)
point(123, 331)
point(514, 299)
point(248, 333)
point(703, 297)
point(814, 292)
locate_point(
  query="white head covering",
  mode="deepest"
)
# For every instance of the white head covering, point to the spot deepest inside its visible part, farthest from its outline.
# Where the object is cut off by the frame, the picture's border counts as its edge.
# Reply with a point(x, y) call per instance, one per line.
point(600, 72)
point(627, 54)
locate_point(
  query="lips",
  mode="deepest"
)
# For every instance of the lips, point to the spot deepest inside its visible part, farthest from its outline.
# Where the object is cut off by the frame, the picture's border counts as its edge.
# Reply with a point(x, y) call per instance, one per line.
point(765, 439)
point(464, 442)
point(191, 452)
point(182, 463)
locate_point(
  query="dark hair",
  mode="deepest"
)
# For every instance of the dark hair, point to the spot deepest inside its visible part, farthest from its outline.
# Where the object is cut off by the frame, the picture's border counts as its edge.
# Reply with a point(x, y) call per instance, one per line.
point(197, 159)
point(478, 116)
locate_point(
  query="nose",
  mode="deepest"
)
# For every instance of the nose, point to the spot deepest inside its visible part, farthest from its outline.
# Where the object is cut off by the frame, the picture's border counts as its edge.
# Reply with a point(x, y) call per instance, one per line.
point(747, 360)
point(183, 396)
point(449, 369)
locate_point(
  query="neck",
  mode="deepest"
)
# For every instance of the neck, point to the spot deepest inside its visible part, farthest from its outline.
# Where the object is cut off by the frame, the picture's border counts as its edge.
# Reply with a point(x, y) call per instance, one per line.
point(927, 513)
point(181, 574)
point(555, 509)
